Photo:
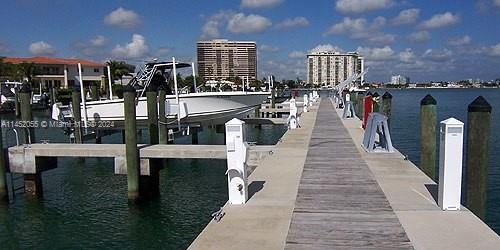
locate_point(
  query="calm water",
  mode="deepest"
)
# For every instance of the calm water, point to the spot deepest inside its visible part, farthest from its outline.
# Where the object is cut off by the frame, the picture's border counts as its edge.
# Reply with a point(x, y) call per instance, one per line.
point(85, 204)
point(405, 131)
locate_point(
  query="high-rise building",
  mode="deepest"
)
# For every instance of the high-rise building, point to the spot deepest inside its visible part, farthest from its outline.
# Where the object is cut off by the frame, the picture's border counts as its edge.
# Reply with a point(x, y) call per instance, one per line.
point(400, 80)
point(329, 68)
point(223, 59)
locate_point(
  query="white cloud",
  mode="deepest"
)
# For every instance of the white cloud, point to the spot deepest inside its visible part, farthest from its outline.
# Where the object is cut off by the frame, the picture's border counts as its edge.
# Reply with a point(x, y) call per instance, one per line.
point(98, 41)
point(360, 28)
point(93, 47)
point(460, 41)
point(123, 18)
point(326, 48)
point(290, 23)
point(297, 54)
point(377, 54)
point(251, 24)
point(495, 49)
point(211, 28)
point(268, 48)
point(360, 6)
point(381, 38)
point(408, 16)
point(42, 48)
point(438, 55)
point(440, 20)
point(259, 3)
point(137, 48)
point(163, 51)
point(496, 3)
point(419, 36)
point(407, 56)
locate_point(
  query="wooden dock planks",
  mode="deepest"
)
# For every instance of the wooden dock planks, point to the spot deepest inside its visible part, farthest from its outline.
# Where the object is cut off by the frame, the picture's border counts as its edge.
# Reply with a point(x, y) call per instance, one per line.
point(339, 203)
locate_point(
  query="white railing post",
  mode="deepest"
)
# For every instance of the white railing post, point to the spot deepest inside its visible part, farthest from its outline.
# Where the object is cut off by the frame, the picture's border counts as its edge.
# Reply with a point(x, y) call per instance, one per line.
point(306, 103)
point(450, 164)
point(292, 118)
point(236, 149)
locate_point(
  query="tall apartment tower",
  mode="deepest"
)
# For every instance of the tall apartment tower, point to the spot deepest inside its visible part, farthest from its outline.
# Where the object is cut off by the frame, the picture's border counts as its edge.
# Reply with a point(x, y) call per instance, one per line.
point(223, 59)
point(329, 68)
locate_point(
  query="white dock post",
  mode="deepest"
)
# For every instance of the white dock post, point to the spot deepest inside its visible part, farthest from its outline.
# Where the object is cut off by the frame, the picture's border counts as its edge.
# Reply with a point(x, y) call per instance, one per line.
point(306, 103)
point(450, 164)
point(311, 99)
point(236, 149)
point(292, 118)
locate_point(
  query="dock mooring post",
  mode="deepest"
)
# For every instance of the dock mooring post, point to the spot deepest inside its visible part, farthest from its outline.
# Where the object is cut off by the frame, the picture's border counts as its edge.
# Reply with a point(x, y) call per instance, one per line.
point(162, 119)
point(95, 92)
point(150, 184)
point(428, 123)
point(26, 116)
point(75, 103)
point(4, 194)
point(478, 134)
point(16, 101)
point(386, 106)
point(132, 157)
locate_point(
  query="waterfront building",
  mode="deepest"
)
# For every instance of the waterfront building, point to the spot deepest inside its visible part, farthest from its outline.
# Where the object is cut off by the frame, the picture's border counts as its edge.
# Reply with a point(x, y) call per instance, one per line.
point(329, 68)
point(61, 72)
point(400, 80)
point(222, 59)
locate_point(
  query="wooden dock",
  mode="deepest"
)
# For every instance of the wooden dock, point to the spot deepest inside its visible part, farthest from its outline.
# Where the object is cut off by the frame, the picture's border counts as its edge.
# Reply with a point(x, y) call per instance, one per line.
point(339, 203)
point(321, 190)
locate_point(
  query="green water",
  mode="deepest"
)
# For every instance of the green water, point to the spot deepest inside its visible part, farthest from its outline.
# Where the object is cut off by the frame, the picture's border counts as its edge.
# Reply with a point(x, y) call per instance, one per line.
point(85, 205)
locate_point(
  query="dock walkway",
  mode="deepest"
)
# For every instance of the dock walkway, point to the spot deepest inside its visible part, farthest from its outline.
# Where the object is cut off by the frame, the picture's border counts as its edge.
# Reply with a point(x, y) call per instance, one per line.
point(321, 190)
point(339, 203)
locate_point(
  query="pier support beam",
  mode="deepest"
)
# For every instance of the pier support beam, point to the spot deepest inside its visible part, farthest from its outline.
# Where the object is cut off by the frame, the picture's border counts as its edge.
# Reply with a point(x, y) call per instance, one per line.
point(94, 89)
point(478, 134)
point(33, 186)
point(132, 157)
point(16, 102)
point(194, 135)
point(428, 123)
point(4, 194)
point(26, 116)
point(162, 119)
point(387, 107)
point(150, 185)
point(75, 103)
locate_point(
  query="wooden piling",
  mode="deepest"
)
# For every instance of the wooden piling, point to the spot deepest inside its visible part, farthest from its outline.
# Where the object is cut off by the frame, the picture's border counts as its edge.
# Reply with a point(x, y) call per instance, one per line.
point(150, 185)
point(16, 102)
point(77, 117)
point(428, 124)
point(132, 157)
point(94, 89)
point(387, 106)
point(194, 135)
point(4, 192)
point(26, 116)
point(478, 134)
point(162, 119)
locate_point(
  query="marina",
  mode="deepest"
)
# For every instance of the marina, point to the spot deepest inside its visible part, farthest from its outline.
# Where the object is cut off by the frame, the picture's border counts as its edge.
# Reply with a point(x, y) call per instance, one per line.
point(250, 124)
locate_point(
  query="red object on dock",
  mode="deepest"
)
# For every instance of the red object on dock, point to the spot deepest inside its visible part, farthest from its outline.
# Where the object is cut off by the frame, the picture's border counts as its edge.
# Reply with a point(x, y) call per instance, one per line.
point(368, 109)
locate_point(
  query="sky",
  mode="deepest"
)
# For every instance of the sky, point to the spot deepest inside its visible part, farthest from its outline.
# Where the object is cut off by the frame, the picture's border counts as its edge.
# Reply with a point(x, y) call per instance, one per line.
point(423, 39)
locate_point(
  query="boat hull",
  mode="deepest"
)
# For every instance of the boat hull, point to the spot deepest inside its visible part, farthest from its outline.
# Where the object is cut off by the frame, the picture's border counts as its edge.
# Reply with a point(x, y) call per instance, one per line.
point(196, 107)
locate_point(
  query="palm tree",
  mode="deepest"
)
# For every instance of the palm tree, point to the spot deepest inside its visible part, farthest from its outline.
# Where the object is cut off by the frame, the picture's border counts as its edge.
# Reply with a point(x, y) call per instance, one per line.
point(118, 69)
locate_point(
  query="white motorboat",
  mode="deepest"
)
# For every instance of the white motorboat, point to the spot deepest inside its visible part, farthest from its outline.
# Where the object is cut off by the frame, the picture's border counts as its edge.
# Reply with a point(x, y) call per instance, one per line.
point(185, 108)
